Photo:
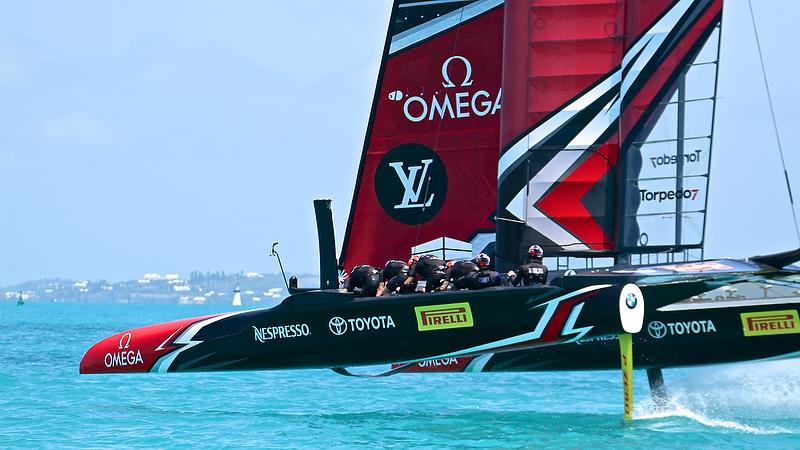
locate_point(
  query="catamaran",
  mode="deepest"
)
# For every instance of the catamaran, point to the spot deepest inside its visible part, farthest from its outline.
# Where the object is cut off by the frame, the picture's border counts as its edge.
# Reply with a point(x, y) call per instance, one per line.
point(582, 126)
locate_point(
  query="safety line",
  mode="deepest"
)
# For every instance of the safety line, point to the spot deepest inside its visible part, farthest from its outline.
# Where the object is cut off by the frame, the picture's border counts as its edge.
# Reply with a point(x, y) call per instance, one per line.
point(774, 122)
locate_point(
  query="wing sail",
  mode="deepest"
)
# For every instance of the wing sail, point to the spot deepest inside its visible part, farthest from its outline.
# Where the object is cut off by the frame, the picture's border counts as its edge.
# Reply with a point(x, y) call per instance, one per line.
point(584, 81)
point(430, 154)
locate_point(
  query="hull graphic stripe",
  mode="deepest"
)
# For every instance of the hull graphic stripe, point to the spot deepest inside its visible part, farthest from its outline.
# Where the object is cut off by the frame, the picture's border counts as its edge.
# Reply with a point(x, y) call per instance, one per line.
point(163, 364)
point(525, 337)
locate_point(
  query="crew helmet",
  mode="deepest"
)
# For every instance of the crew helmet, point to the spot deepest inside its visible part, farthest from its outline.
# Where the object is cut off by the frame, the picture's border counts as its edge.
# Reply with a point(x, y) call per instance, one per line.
point(483, 260)
point(535, 251)
point(393, 262)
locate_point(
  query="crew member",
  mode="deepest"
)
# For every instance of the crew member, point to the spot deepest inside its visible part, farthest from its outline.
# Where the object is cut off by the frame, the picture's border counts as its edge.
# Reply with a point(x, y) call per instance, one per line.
point(393, 275)
point(484, 277)
point(533, 272)
point(456, 273)
point(363, 281)
point(428, 268)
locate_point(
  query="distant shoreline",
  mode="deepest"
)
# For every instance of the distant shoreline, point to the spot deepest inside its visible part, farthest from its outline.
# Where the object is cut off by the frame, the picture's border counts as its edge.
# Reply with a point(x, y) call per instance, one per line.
point(199, 288)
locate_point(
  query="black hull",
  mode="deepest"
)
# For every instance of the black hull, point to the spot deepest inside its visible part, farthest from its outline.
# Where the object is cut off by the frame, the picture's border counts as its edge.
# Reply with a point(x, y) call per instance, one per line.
point(711, 312)
point(323, 329)
point(671, 338)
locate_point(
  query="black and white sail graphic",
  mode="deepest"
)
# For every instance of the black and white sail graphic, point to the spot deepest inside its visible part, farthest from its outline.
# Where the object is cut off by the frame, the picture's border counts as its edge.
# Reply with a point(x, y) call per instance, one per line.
point(667, 164)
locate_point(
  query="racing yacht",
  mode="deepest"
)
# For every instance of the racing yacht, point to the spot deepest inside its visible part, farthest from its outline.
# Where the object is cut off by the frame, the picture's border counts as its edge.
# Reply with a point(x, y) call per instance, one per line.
point(583, 126)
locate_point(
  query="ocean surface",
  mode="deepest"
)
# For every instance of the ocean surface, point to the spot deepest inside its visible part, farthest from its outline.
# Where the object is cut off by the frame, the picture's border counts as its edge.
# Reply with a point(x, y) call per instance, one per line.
point(44, 402)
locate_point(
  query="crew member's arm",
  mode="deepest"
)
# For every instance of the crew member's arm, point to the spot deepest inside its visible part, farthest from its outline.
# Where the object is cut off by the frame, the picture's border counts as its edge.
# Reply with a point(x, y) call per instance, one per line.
point(448, 280)
point(513, 278)
point(381, 288)
point(412, 274)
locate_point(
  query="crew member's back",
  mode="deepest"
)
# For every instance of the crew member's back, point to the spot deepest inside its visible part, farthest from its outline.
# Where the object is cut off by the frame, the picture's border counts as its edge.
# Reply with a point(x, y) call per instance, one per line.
point(393, 275)
point(484, 277)
point(457, 272)
point(363, 281)
point(533, 272)
point(429, 268)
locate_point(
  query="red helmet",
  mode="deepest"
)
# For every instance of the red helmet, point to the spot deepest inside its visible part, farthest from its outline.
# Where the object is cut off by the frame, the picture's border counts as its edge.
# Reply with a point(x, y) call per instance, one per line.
point(413, 259)
point(482, 260)
point(535, 251)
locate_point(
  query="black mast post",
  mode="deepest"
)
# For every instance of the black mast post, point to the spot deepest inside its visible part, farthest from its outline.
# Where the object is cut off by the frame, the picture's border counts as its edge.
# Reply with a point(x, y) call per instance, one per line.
point(679, 158)
point(328, 273)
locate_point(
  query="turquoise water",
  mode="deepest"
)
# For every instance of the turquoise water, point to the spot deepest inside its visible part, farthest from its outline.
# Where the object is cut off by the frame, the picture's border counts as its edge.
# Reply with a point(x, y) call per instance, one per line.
point(45, 403)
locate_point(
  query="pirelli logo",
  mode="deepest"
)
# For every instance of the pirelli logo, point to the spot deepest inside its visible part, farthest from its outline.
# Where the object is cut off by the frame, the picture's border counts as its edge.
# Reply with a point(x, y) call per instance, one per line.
point(443, 317)
point(770, 322)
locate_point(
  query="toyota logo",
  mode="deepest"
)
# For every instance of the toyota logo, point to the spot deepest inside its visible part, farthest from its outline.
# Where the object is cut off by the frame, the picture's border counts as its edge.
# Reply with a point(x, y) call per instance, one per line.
point(657, 329)
point(337, 325)
point(631, 300)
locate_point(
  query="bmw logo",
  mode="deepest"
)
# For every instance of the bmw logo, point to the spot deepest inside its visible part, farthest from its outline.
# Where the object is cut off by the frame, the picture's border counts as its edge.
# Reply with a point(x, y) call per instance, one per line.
point(657, 329)
point(337, 325)
point(631, 300)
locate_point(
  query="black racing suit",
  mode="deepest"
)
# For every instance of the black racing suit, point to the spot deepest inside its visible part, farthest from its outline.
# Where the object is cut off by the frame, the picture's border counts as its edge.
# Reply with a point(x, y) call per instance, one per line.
point(532, 273)
point(483, 278)
point(431, 269)
point(393, 275)
point(363, 281)
point(456, 274)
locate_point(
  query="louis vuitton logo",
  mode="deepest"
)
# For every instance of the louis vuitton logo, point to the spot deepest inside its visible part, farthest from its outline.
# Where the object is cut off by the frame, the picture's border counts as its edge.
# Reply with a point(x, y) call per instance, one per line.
point(413, 182)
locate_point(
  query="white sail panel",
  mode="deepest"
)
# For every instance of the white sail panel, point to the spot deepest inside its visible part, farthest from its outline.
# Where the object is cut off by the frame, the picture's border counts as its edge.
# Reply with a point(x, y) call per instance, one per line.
point(710, 51)
point(661, 196)
point(662, 230)
point(660, 159)
point(666, 184)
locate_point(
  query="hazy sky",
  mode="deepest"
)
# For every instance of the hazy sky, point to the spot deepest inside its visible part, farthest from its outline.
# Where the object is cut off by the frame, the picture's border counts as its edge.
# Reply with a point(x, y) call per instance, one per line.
point(187, 135)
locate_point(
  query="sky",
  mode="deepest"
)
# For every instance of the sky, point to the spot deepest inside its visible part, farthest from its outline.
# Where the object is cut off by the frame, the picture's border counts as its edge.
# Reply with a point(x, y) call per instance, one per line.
point(189, 135)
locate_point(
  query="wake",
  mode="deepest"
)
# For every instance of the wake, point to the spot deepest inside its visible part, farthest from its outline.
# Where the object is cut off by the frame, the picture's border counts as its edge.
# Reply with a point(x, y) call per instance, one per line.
point(757, 398)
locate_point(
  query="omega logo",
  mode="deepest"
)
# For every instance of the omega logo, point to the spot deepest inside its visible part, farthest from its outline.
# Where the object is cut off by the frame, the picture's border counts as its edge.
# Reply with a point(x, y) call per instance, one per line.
point(446, 77)
point(124, 341)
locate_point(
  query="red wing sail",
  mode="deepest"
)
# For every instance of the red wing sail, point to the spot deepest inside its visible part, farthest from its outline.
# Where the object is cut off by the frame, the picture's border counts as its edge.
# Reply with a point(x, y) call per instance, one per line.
point(581, 80)
point(430, 154)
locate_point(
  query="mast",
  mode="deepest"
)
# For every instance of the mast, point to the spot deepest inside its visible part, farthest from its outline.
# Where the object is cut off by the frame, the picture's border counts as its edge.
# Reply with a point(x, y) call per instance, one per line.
point(679, 154)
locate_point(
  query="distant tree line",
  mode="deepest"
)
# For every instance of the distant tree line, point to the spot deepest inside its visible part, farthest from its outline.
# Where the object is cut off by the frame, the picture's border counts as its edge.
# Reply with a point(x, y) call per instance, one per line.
point(219, 275)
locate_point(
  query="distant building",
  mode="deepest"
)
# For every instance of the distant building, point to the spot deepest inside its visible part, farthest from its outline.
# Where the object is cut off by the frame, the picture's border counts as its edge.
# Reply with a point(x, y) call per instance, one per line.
point(208, 288)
